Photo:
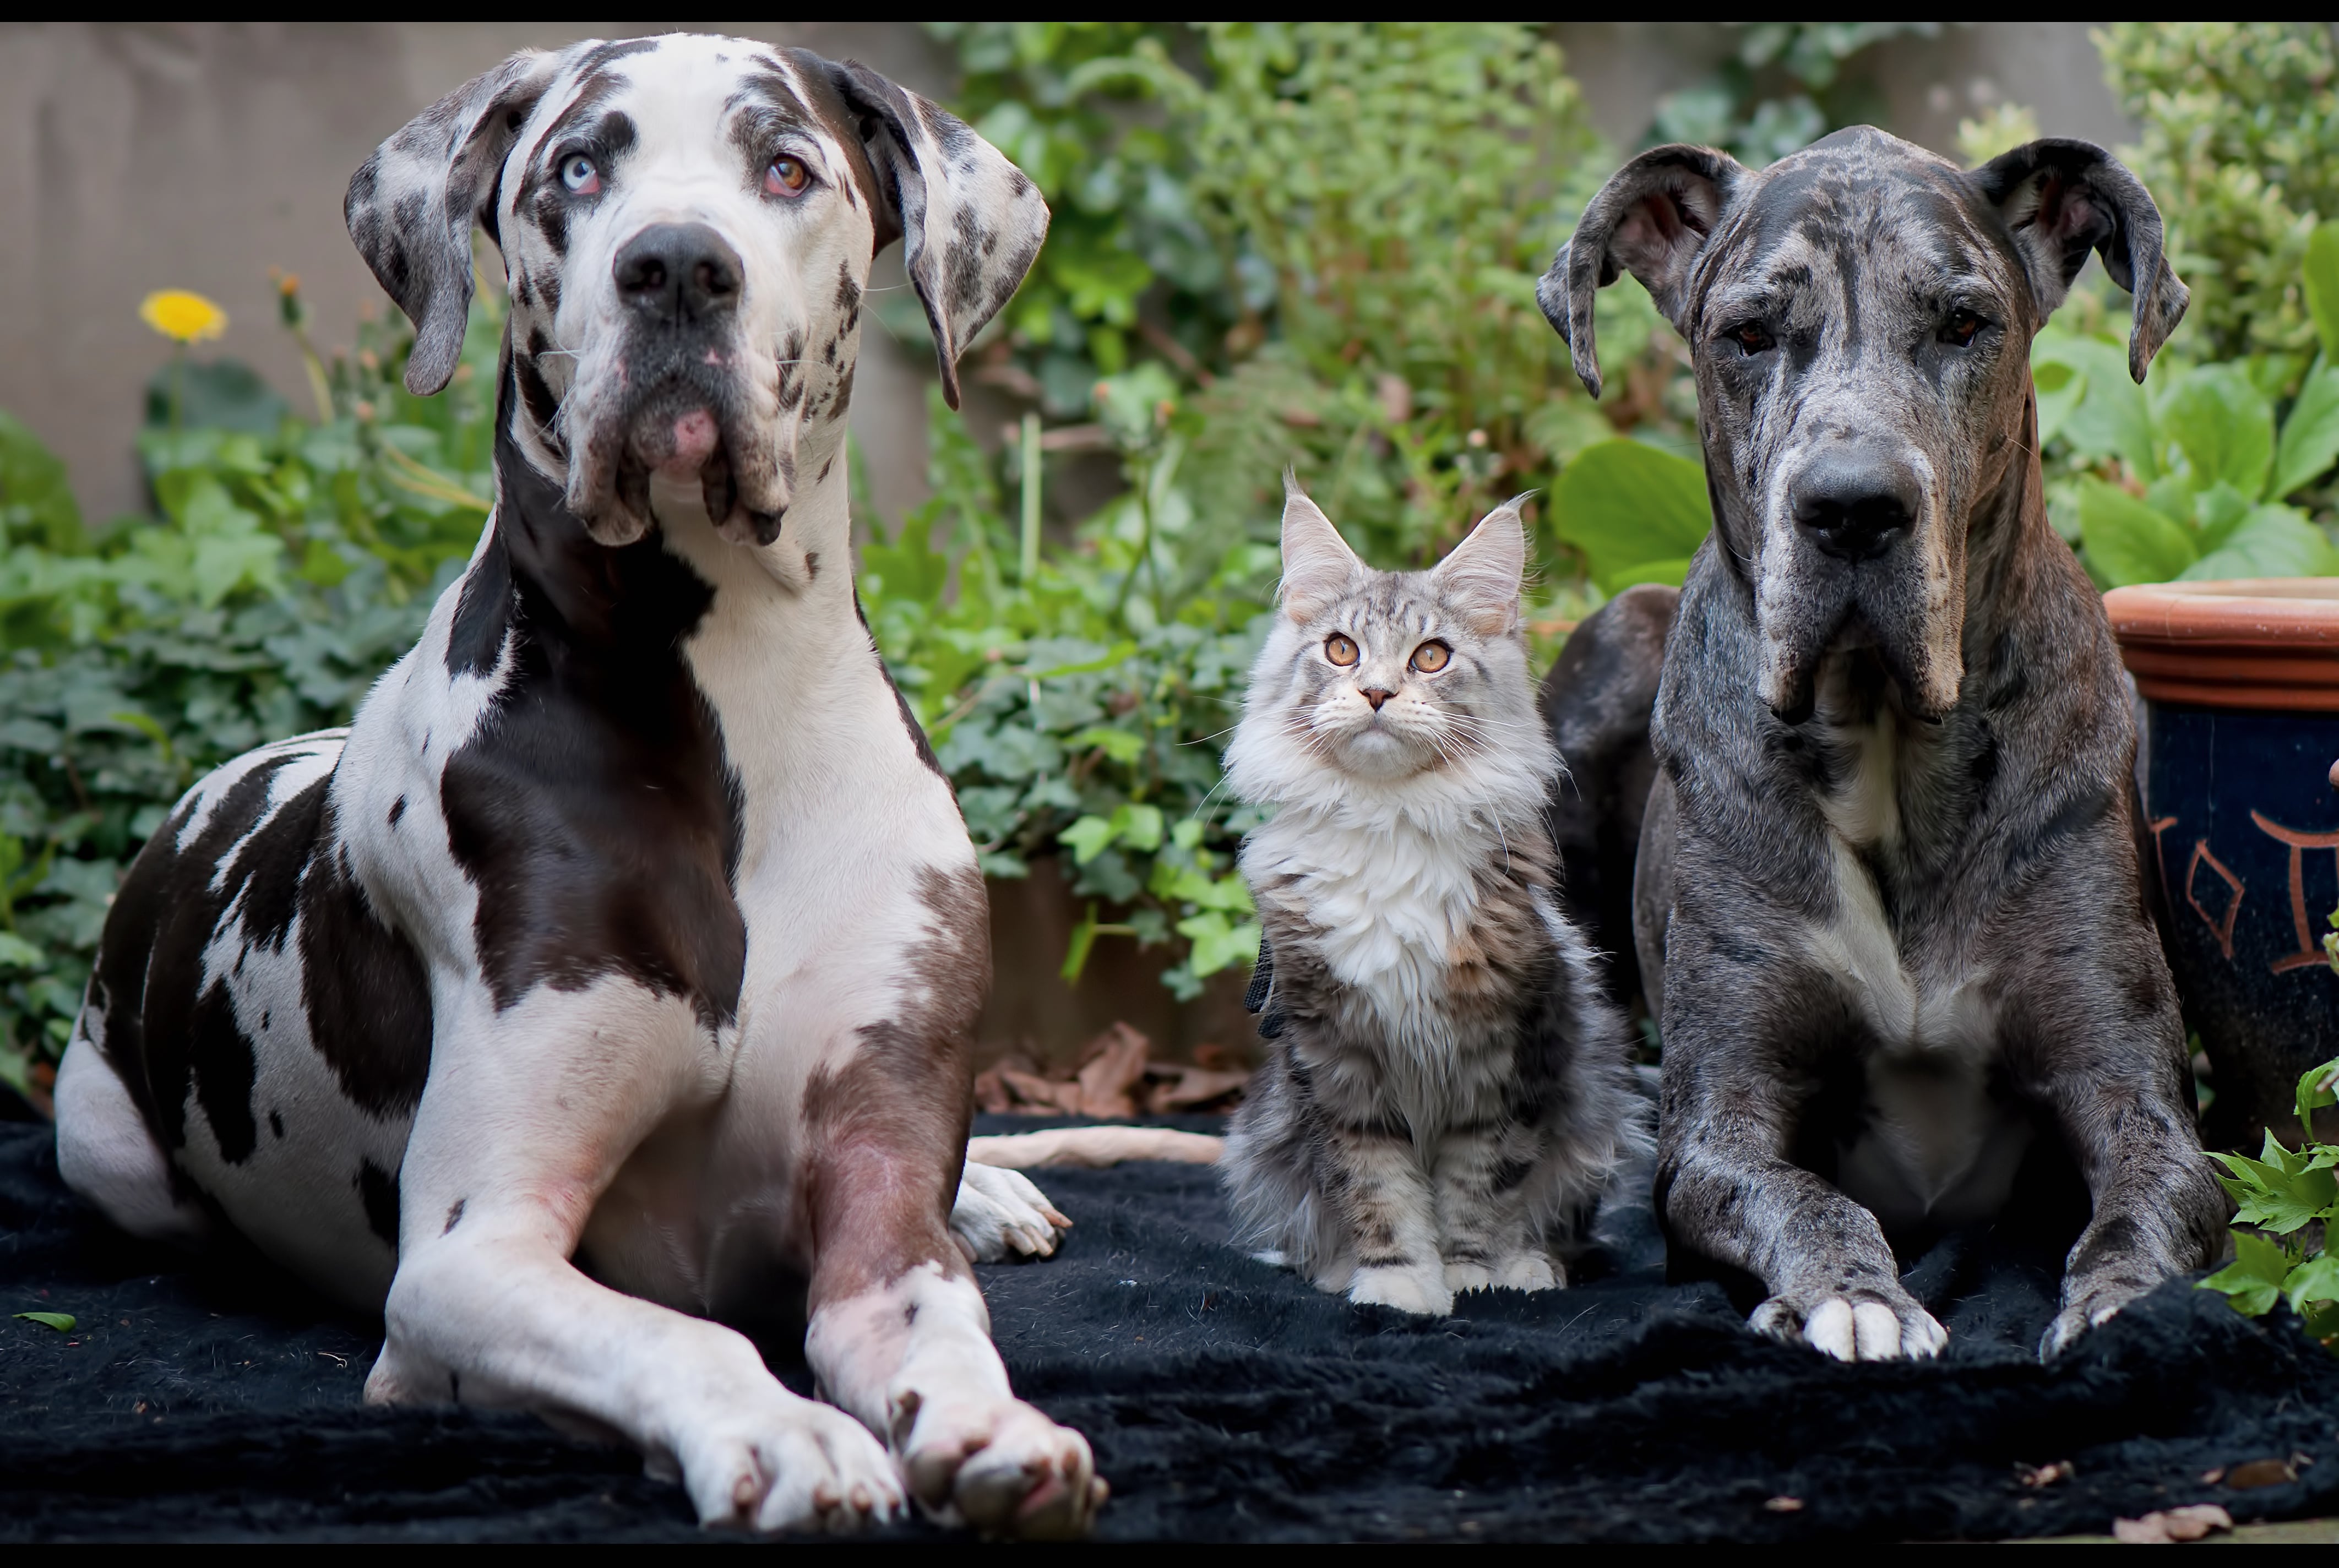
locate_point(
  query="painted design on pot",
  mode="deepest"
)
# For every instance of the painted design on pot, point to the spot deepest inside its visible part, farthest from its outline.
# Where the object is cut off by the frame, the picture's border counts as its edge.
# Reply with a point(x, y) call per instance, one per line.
point(2240, 683)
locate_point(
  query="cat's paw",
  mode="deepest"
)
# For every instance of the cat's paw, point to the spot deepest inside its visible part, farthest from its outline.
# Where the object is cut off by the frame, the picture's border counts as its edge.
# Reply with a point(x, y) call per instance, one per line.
point(1408, 1288)
point(1877, 1324)
point(1529, 1271)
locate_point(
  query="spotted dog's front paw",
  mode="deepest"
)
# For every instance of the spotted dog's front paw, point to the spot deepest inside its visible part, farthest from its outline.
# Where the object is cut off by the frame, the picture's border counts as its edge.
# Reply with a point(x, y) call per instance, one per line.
point(1000, 1214)
point(1874, 1323)
point(999, 1466)
point(1408, 1287)
point(784, 1464)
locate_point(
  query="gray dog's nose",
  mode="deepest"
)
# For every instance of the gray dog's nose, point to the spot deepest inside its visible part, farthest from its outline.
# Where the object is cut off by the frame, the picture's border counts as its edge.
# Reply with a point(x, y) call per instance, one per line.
point(1856, 502)
point(678, 273)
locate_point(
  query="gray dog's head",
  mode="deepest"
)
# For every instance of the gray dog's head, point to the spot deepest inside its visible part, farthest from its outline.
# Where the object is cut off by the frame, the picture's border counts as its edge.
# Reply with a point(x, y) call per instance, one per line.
point(1861, 316)
point(686, 226)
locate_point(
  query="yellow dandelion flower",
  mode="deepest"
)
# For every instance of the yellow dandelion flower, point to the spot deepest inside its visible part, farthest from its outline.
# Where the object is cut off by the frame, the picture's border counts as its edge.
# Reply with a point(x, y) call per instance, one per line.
point(182, 317)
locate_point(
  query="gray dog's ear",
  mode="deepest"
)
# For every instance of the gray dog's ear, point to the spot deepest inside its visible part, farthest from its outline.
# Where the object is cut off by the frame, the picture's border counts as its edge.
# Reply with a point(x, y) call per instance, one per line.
point(2062, 199)
point(1651, 220)
point(970, 222)
point(412, 205)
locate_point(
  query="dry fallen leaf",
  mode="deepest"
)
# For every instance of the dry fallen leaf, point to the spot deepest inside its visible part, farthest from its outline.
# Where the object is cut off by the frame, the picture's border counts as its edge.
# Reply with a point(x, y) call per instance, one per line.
point(1785, 1505)
point(2037, 1476)
point(2260, 1472)
point(2172, 1525)
point(1113, 1062)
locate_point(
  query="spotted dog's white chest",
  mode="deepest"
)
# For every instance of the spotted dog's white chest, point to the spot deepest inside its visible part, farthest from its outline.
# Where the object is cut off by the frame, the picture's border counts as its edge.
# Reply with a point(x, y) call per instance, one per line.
point(1934, 1143)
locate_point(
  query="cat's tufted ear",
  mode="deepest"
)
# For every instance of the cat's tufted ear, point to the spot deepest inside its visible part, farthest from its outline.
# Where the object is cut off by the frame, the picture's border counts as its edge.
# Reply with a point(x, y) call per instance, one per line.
point(2061, 199)
point(1319, 567)
point(411, 206)
point(970, 221)
point(1481, 576)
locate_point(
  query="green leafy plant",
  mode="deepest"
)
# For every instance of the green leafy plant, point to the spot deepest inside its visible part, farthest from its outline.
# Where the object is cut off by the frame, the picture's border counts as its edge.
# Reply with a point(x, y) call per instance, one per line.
point(2240, 120)
point(1784, 87)
point(1080, 709)
point(282, 569)
point(2195, 475)
point(2281, 1195)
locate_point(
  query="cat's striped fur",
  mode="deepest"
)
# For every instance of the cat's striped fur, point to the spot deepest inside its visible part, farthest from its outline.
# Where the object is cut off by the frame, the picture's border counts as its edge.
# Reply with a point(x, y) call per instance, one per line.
point(1448, 1091)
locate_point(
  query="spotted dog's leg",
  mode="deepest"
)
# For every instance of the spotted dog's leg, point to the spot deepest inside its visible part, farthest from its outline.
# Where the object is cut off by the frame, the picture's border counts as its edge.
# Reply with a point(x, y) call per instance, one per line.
point(900, 1336)
point(107, 1153)
point(528, 1114)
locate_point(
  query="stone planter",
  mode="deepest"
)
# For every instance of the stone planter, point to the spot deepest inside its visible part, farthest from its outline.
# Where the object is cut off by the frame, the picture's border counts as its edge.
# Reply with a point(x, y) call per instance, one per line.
point(2240, 682)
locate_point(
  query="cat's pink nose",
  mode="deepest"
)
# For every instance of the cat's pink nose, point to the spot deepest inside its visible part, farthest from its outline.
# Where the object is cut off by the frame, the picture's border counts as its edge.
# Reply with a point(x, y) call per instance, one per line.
point(1375, 696)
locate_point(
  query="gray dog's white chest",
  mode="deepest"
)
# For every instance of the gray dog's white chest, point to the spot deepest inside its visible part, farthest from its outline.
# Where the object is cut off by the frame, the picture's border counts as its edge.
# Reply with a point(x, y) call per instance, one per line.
point(1933, 1142)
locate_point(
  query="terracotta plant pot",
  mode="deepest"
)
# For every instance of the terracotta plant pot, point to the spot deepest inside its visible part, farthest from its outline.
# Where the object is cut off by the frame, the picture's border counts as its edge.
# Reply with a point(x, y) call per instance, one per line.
point(2240, 683)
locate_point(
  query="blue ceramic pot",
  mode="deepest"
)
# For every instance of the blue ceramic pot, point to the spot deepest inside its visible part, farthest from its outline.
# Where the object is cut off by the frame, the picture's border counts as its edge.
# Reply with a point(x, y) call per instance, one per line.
point(2241, 689)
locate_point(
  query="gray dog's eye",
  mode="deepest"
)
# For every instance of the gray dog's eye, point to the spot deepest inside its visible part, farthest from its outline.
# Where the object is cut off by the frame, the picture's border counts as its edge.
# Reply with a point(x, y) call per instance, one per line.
point(1961, 330)
point(1751, 337)
point(577, 173)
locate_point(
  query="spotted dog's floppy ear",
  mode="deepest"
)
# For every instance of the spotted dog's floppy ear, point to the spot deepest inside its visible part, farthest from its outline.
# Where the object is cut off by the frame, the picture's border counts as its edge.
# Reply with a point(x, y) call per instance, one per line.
point(2061, 199)
point(412, 205)
point(1651, 220)
point(971, 223)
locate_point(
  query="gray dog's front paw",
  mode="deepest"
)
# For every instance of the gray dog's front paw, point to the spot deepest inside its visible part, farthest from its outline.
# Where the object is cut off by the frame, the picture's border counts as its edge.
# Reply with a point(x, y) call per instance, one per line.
point(2084, 1308)
point(1876, 1324)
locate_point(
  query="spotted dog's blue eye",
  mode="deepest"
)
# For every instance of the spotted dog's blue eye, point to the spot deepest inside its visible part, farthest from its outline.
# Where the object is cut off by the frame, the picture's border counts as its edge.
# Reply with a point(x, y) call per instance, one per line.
point(578, 173)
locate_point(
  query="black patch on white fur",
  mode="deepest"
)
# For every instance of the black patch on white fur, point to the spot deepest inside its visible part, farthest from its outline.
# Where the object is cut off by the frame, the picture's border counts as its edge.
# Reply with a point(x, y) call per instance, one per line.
point(595, 808)
point(378, 1191)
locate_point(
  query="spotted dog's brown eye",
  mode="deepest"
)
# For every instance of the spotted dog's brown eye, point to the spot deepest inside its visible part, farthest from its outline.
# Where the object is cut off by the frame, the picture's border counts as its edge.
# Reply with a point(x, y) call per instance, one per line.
point(1339, 650)
point(1961, 330)
point(786, 177)
point(1752, 337)
point(1431, 657)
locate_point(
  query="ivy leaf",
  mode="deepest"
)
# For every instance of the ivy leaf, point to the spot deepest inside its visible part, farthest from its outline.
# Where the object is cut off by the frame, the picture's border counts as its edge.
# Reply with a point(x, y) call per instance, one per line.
point(1139, 826)
point(1219, 943)
point(62, 1322)
point(2253, 1282)
point(15, 952)
point(1087, 837)
point(2269, 541)
point(1121, 746)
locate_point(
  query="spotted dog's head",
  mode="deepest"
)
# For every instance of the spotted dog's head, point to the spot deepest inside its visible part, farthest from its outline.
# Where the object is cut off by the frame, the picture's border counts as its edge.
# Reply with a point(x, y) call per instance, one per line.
point(687, 225)
point(1861, 316)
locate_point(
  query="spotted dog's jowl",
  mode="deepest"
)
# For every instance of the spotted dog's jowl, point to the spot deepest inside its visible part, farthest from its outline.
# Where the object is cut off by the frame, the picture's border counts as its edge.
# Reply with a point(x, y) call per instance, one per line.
point(628, 925)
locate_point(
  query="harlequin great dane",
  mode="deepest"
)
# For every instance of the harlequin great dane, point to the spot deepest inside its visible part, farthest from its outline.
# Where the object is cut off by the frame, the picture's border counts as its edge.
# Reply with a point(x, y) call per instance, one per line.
point(1887, 899)
point(613, 972)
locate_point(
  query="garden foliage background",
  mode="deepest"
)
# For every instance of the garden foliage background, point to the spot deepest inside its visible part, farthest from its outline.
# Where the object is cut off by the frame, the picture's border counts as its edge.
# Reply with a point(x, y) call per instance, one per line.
point(1312, 245)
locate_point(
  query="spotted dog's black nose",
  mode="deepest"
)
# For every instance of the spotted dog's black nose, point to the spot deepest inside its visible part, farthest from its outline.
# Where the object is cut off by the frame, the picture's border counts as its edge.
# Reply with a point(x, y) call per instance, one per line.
point(1856, 502)
point(678, 274)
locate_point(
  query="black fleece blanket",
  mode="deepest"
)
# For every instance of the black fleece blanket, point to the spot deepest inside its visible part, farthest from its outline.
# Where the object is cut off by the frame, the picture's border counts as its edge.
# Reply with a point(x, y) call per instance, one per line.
point(1226, 1400)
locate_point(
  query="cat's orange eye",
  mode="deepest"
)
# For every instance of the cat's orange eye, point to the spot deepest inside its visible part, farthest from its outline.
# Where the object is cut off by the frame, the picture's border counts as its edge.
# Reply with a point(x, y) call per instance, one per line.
point(1430, 658)
point(1339, 650)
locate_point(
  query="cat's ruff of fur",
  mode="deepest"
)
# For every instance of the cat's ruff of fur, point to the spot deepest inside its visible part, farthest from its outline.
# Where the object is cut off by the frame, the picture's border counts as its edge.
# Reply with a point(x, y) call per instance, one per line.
point(1449, 1092)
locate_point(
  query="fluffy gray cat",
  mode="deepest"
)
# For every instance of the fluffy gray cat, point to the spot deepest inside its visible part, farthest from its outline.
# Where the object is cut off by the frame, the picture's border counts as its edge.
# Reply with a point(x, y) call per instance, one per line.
point(1448, 1091)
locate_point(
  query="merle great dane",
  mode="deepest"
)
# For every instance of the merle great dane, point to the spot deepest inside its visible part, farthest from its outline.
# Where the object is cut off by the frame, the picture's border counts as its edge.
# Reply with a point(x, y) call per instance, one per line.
point(1886, 901)
point(612, 974)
